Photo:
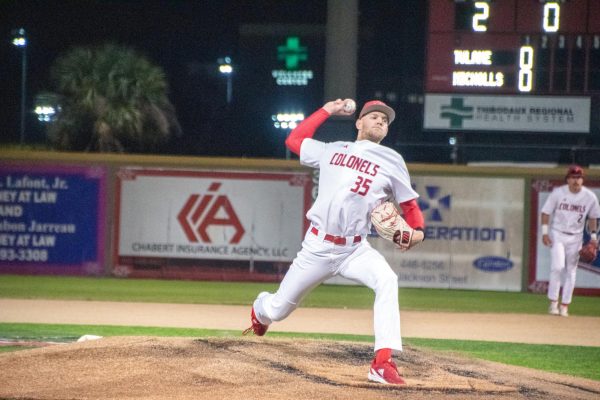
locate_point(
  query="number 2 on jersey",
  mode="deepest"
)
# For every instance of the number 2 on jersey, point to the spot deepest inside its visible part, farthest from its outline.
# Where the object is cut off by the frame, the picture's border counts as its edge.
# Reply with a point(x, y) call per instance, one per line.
point(361, 186)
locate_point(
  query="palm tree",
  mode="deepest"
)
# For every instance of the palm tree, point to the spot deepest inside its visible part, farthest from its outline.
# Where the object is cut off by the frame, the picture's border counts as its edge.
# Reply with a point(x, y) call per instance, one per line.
point(114, 100)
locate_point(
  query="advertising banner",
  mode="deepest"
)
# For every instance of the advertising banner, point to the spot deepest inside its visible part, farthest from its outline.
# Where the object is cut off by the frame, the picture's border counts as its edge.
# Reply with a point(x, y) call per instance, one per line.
point(507, 113)
point(474, 235)
point(52, 219)
point(588, 275)
point(211, 215)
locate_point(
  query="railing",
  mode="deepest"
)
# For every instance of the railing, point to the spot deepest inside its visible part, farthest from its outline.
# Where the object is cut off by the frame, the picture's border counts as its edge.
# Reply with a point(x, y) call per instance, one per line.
point(464, 153)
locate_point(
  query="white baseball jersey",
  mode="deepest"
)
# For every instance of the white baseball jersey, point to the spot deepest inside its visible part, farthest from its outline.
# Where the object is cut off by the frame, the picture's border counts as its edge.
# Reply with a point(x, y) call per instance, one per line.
point(569, 210)
point(354, 178)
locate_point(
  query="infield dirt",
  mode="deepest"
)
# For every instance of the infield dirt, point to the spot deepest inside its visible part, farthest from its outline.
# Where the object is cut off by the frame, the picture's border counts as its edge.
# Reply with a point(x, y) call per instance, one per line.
point(262, 368)
point(276, 369)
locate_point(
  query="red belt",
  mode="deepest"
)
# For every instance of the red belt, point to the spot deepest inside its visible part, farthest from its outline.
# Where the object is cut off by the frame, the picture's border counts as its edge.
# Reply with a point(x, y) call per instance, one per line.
point(339, 240)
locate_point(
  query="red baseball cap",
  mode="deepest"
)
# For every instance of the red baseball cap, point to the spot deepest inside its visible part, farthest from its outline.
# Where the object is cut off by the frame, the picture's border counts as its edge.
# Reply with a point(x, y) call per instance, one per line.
point(376, 105)
point(575, 170)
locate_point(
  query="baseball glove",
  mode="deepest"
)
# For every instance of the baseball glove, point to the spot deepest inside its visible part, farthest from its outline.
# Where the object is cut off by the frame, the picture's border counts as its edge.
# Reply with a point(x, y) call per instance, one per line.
point(589, 252)
point(390, 225)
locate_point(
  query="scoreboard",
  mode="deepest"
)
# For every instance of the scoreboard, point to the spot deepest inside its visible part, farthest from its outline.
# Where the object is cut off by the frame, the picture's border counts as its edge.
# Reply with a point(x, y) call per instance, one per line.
point(513, 65)
point(534, 47)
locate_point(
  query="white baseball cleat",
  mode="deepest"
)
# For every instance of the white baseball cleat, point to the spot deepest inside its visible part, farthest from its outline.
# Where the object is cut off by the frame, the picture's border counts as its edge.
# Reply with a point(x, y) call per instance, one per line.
point(553, 309)
point(564, 311)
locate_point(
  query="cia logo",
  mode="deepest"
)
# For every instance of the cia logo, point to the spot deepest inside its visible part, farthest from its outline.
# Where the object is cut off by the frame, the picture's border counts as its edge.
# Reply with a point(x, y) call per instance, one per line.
point(432, 203)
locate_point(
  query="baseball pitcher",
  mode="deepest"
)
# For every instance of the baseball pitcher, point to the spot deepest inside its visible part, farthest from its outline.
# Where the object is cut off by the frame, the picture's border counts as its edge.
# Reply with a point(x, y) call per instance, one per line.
point(357, 180)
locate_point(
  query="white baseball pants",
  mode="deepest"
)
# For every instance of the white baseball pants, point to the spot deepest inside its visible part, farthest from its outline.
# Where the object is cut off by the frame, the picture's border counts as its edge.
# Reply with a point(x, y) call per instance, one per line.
point(319, 260)
point(565, 255)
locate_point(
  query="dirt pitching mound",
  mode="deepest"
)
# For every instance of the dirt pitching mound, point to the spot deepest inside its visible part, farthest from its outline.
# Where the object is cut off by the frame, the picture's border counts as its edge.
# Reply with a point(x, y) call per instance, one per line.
point(252, 368)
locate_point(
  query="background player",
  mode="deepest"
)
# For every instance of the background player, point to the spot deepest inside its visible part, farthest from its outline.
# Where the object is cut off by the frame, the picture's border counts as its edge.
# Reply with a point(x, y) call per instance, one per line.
point(354, 178)
point(569, 205)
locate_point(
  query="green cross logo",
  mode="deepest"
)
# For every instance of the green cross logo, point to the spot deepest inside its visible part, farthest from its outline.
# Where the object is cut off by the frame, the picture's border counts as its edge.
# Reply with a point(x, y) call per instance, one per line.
point(292, 52)
point(456, 112)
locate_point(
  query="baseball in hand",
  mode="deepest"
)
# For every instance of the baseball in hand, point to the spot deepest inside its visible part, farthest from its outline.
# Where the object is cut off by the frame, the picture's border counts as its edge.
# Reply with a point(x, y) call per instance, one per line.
point(349, 106)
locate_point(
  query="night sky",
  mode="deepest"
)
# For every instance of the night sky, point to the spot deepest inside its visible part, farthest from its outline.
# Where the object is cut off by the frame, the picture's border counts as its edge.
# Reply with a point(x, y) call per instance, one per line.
point(185, 38)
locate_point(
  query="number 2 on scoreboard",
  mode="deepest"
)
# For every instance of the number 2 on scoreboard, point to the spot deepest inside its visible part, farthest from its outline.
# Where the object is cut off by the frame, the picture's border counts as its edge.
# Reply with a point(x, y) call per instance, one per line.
point(480, 16)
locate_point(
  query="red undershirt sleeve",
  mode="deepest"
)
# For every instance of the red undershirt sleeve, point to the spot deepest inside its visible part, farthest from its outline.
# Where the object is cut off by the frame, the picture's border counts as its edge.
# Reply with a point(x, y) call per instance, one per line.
point(306, 129)
point(412, 214)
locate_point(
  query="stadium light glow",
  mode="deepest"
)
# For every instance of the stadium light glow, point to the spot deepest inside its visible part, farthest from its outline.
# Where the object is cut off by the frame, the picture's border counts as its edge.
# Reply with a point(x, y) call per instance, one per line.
point(20, 41)
point(226, 69)
point(287, 120)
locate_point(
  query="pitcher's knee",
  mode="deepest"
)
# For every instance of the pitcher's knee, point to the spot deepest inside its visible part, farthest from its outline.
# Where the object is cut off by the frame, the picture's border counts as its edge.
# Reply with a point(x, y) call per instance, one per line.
point(278, 312)
point(556, 270)
point(387, 283)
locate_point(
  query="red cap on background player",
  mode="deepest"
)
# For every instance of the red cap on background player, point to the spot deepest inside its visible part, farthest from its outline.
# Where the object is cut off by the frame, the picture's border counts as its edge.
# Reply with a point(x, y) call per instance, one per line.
point(574, 170)
point(376, 105)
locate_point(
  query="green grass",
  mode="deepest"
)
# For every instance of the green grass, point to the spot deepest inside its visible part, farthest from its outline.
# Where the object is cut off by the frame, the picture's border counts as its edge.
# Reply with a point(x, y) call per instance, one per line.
point(579, 361)
point(136, 290)
point(26, 147)
point(67, 333)
point(334, 296)
point(570, 360)
point(7, 349)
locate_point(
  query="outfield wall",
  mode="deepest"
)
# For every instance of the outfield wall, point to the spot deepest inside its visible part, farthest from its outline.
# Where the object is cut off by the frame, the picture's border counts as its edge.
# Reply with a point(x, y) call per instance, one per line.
point(243, 219)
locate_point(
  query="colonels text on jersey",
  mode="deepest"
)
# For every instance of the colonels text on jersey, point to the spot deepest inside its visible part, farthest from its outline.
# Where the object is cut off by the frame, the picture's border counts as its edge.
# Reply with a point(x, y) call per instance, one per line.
point(577, 208)
point(354, 163)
